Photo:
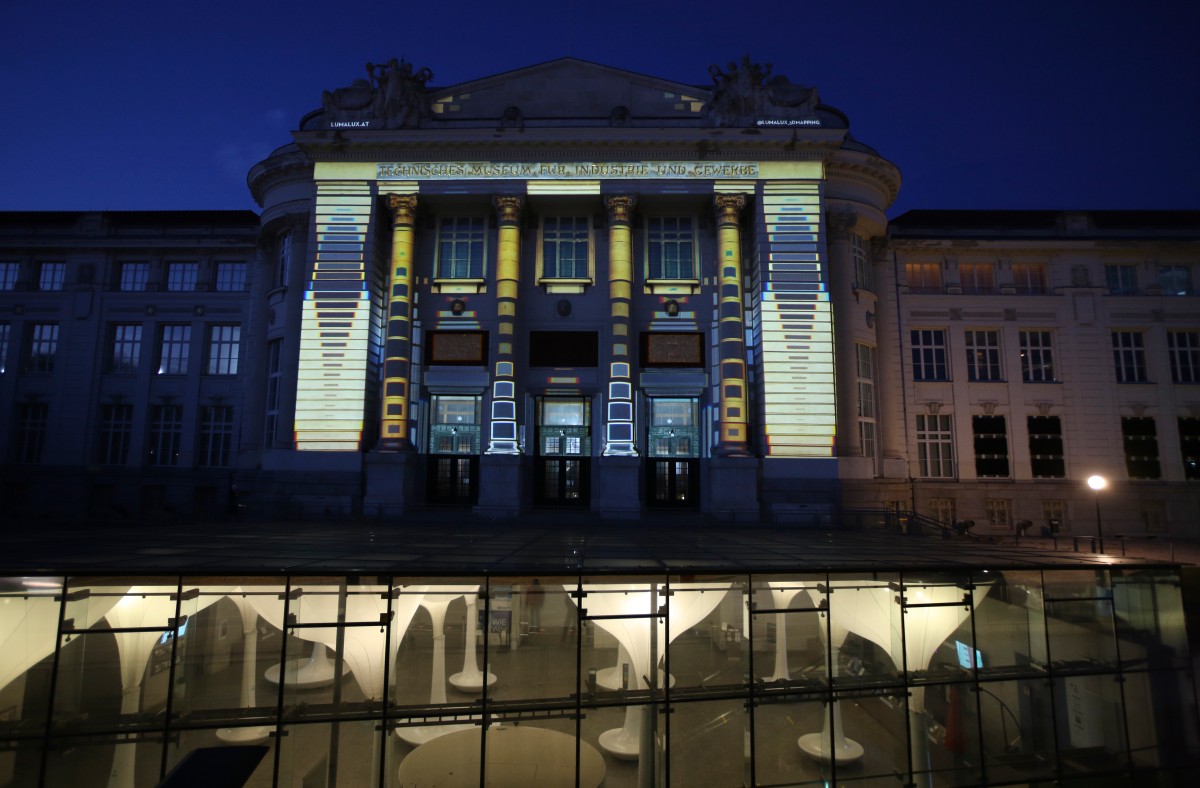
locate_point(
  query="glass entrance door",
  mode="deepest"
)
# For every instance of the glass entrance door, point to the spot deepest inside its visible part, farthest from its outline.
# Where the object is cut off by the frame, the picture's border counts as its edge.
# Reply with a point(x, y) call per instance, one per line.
point(673, 451)
point(564, 451)
point(453, 469)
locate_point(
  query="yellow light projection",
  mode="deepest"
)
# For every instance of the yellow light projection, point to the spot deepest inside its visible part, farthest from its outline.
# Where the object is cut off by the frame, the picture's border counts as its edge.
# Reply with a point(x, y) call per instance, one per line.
point(798, 387)
point(335, 324)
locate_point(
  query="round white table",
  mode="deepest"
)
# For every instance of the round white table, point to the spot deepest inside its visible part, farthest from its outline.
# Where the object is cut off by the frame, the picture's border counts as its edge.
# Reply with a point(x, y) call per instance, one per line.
point(518, 756)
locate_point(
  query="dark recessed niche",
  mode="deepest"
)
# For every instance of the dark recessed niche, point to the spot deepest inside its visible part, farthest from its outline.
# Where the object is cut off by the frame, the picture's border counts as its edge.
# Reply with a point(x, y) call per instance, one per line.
point(564, 348)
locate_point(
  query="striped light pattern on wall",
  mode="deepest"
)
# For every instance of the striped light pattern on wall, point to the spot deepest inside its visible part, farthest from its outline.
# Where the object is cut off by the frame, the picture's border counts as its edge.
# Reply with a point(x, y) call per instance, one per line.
point(796, 342)
point(335, 324)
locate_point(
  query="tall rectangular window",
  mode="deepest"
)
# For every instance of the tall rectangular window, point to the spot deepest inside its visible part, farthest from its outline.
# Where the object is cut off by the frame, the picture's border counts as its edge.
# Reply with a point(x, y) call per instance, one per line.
point(174, 346)
point(1183, 347)
point(125, 347)
point(41, 346)
point(1037, 356)
point(5, 332)
point(231, 277)
point(166, 435)
point(670, 248)
point(274, 380)
point(461, 247)
point(929, 354)
point(1029, 278)
point(29, 438)
point(216, 436)
point(1129, 356)
point(935, 446)
point(565, 247)
point(224, 344)
point(923, 277)
point(865, 369)
point(283, 259)
point(9, 271)
point(977, 278)
point(1175, 279)
point(182, 277)
point(1140, 436)
point(1046, 447)
point(1121, 279)
point(862, 262)
point(51, 276)
point(983, 355)
point(991, 446)
point(116, 433)
point(1189, 447)
point(134, 276)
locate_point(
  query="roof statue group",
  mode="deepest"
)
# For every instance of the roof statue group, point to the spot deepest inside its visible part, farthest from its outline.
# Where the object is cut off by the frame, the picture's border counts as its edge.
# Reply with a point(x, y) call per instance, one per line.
point(395, 96)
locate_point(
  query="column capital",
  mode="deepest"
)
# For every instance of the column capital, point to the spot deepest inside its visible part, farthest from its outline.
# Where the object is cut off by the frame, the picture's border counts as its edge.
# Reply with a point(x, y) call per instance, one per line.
point(728, 207)
point(403, 208)
point(508, 208)
point(620, 208)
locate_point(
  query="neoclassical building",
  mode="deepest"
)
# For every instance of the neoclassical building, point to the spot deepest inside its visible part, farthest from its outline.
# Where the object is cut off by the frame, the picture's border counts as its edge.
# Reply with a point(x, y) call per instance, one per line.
point(572, 286)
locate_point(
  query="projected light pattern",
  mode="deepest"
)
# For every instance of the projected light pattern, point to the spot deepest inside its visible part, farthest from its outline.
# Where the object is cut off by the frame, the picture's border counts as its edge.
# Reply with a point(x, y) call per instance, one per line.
point(393, 428)
point(335, 324)
point(731, 327)
point(503, 435)
point(796, 324)
point(618, 435)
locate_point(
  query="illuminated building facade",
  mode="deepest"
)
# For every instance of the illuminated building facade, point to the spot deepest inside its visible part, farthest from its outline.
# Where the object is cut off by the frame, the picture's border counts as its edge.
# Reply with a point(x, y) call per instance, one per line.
point(575, 287)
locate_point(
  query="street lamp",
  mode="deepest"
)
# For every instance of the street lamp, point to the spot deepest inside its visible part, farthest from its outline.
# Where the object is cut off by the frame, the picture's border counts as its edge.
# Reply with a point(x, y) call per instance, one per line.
point(1098, 483)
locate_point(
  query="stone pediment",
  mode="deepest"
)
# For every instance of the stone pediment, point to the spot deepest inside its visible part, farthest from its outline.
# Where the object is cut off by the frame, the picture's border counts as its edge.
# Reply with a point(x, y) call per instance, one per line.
point(567, 90)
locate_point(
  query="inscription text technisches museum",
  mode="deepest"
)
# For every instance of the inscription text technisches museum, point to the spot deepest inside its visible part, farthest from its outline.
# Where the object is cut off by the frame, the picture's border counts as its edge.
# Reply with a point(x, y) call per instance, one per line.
point(567, 170)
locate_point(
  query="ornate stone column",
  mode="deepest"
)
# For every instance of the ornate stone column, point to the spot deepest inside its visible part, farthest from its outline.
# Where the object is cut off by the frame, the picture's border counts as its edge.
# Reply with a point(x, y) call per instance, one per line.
point(618, 437)
point(731, 329)
point(503, 435)
point(397, 364)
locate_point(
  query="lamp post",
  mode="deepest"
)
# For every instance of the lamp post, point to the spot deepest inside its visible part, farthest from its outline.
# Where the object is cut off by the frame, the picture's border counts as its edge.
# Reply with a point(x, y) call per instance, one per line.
point(1098, 483)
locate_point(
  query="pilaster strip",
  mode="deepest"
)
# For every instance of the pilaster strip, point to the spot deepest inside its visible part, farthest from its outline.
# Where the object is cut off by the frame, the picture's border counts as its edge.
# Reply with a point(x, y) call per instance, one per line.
point(397, 362)
point(503, 433)
point(619, 435)
point(731, 328)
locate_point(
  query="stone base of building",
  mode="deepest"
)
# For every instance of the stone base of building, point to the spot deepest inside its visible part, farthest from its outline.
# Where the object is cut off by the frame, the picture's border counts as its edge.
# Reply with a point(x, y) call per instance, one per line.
point(617, 481)
point(732, 489)
point(390, 483)
point(500, 493)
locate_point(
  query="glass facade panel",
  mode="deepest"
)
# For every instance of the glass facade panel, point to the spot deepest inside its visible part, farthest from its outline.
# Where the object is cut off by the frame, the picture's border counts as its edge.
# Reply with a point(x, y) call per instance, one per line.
point(937, 678)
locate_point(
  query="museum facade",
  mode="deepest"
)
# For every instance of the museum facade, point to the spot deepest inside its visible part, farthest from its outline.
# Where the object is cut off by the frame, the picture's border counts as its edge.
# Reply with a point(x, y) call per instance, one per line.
point(575, 287)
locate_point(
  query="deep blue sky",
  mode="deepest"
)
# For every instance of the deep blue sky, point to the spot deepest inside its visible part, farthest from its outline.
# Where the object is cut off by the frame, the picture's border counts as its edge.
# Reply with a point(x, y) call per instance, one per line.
point(1046, 104)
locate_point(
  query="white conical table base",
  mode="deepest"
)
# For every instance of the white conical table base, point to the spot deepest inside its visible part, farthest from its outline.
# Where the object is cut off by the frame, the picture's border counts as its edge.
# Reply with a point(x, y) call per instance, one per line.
point(311, 673)
point(471, 678)
point(420, 734)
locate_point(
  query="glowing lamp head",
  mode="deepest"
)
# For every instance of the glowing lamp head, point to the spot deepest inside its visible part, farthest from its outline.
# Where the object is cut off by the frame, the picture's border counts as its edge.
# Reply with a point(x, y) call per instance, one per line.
point(1097, 483)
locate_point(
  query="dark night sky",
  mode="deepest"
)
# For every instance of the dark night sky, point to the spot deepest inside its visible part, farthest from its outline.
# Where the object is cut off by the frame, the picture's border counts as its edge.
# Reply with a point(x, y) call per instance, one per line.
point(1021, 104)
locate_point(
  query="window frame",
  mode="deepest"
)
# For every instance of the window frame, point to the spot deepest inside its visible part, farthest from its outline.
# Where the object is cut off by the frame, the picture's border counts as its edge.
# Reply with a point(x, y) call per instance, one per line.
point(983, 356)
point(41, 351)
point(164, 436)
point(555, 283)
point(114, 433)
point(1184, 358)
point(935, 430)
point(1180, 273)
point(1123, 272)
point(216, 360)
point(173, 282)
point(930, 360)
point(58, 276)
point(240, 280)
point(975, 286)
point(1030, 278)
point(993, 456)
point(29, 436)
point(133, 276)
point(651, 241)
point(465, 238)
point(174, 359)
point(1047, 456)
point(10, 275)
point(1129, 358)
point(214, 436)
point(924, 278)
point(1146, 464)
point(124, 348)
point(1037, 356)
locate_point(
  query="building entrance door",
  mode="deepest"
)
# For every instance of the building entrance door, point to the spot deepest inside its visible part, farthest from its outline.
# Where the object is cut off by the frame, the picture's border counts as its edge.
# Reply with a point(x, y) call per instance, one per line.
point(564, 450)
point(453, 469)
point(673, 451)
